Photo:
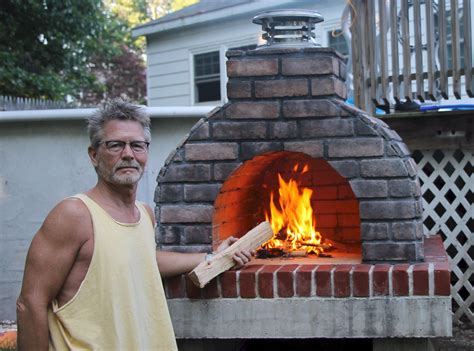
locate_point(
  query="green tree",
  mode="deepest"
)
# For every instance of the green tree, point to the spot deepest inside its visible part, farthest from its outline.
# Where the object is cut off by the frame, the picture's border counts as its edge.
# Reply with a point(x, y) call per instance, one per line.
point(44, 46)
point(78, 48)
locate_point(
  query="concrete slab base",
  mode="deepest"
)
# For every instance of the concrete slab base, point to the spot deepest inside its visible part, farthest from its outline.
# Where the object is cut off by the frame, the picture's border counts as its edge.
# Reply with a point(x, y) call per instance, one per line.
point(394, 317)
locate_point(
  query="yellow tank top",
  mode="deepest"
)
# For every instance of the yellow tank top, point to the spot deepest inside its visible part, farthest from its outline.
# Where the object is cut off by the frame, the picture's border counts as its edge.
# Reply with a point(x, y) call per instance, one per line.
point(120, 305)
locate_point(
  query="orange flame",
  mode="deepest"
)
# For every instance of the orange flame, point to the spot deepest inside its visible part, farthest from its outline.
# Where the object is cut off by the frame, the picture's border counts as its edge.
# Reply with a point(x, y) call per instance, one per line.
point(293, 217)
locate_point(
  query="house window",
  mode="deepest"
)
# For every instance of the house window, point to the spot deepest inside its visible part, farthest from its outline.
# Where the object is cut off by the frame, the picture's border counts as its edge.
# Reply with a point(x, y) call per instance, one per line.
point(207, 77)
point(337, 41)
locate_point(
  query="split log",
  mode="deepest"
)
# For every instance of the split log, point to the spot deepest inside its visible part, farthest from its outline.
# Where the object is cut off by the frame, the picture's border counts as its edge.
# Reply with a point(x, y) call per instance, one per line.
point(222, 261)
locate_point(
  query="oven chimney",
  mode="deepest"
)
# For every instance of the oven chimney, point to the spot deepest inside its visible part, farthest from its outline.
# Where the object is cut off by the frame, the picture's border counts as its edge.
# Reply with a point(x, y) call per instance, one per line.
point(288, 28)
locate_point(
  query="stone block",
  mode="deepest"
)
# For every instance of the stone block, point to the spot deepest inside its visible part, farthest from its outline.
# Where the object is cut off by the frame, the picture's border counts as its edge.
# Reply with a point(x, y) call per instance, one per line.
point(262, 109)
point(388, 133)
point(374, 231)
point(364, 188)
point(411, 166)
point(355, 147)
point(237, 89)
point(294, 66)
point(281, 88)
point(400, 149)
point(252, 149)
point(188, 172)
point(326, 128)
point(223, 170)
point(403, 188)
point(211, 151)
point(374, 210)
point(364, 129)
point(348, 169)
point(389, 251)
point(311, 147)
point(186, 213)
point(169, 193)
point(252, 67)
point(405, 230)
point(383, 168)
point(168, 234)
point(197, 235)
point(309, 108)
point(200, 131)
point(239, 130)
point(201, 192)
point(283, 130)
point(324, 86)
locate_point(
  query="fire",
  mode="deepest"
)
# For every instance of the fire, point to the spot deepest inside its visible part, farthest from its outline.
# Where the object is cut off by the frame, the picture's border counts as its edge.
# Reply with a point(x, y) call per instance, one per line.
point(292, 219)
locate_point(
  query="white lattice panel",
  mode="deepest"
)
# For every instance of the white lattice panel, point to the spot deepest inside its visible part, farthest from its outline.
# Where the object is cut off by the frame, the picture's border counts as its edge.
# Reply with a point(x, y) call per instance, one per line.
point(447, 184)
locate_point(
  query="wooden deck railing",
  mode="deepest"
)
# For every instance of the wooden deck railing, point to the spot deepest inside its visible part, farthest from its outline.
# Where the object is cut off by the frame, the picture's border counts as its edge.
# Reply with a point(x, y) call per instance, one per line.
point(405, 50)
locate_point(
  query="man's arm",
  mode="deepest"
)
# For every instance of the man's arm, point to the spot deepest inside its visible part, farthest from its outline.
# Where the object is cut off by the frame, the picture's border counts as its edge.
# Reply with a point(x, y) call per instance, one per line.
point(51, 255)
point(175, 263)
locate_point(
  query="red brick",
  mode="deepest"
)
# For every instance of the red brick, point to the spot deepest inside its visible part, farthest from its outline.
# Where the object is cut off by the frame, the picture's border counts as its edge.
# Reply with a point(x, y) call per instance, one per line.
point(360, 280)
point(342, 280)
point(265, 281)
point(247, 281)
point(380, 279)
point(192, 291)
point(442, 281)
point(285, 280)
point(303, 280)
point(323, 280)
point(174, 287)
point(228, 282)
point(420, 279)
point(400, 279)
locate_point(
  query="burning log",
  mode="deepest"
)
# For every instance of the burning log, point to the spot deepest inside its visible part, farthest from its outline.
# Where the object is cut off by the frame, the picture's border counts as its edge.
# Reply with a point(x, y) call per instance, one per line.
point(222, 261)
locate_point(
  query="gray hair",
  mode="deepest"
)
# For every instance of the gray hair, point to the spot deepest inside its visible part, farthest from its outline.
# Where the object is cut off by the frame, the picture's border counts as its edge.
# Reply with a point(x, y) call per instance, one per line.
point(117, 109)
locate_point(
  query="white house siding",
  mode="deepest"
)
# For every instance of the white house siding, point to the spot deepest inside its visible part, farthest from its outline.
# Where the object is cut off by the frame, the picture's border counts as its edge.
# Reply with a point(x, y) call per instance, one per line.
point(42, 163)
point(170, 54)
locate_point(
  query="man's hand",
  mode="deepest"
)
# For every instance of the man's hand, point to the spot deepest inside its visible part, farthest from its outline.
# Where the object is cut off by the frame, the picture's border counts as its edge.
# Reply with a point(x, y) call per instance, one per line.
point(240, 257)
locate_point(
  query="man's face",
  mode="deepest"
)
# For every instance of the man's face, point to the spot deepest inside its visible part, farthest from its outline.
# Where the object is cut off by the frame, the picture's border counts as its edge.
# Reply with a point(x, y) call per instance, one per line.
point(120, 166)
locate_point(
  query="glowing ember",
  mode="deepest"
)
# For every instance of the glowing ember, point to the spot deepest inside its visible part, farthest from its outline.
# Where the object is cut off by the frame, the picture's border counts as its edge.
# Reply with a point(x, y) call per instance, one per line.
point(292, 220)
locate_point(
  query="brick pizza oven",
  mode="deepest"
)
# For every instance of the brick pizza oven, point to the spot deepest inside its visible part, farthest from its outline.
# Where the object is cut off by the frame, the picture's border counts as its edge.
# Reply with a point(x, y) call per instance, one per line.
point(287, 111)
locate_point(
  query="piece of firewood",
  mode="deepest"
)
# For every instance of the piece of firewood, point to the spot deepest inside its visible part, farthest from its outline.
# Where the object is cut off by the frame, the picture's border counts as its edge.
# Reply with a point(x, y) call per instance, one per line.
point(222, 261)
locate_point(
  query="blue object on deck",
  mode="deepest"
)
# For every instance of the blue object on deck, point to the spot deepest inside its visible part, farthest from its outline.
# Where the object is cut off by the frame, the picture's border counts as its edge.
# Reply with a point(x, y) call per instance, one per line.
point(447, 107)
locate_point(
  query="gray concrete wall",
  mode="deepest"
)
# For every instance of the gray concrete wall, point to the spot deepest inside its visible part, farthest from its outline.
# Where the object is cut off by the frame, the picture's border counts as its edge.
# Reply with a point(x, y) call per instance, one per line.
point(40, 164)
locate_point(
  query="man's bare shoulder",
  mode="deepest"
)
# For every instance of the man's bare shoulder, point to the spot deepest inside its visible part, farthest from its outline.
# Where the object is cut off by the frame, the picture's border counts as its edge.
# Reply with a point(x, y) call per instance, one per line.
point(68, 220)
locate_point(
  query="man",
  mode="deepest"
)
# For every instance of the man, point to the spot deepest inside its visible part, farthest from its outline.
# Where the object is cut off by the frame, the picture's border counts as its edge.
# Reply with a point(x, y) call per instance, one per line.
point(92, 275)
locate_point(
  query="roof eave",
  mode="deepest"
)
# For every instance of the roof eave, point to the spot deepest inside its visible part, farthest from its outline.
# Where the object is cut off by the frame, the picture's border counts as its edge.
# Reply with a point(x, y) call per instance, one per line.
point(151, 28)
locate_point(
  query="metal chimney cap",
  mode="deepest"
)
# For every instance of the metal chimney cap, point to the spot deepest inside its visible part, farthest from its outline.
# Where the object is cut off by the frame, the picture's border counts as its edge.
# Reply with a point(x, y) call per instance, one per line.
point(288, 15)
point(289, 28)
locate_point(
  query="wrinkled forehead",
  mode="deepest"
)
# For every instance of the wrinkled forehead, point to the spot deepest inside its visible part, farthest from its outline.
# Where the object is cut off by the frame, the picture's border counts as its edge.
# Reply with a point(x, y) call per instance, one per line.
point(123, 130)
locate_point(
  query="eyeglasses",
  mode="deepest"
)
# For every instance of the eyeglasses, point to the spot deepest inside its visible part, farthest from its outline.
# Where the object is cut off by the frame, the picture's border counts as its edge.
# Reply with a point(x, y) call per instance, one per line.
point(117, 146)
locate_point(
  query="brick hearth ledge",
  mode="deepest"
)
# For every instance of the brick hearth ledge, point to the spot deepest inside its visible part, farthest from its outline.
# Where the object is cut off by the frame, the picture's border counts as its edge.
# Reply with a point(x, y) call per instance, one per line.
point(318, 301)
